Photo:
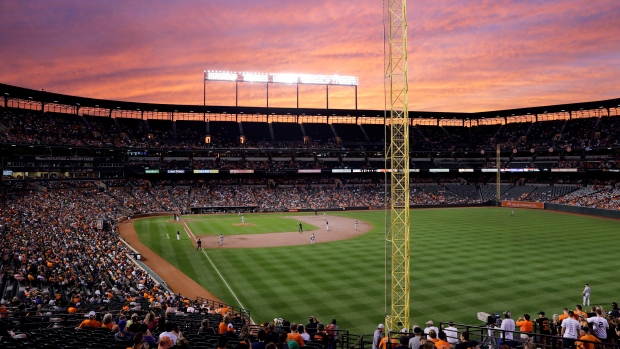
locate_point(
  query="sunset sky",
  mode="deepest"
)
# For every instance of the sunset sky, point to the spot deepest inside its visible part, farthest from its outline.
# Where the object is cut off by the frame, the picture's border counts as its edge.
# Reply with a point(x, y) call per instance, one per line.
point(463, 55)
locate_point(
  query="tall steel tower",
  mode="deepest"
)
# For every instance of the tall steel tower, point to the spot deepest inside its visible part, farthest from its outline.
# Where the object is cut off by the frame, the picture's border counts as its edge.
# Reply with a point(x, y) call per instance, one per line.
point(399, 160)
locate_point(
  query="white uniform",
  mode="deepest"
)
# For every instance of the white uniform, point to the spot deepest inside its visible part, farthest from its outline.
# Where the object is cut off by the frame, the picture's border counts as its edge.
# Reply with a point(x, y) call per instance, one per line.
point(221, 239)
point(586, 295)
point(178, 236)
point(355, 225)
point(242, 220)
point(327, 225)
point(312, 239)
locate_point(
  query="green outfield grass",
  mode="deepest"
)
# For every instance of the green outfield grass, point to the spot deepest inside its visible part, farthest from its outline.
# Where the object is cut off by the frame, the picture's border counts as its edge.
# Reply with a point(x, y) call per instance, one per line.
point(462, 261)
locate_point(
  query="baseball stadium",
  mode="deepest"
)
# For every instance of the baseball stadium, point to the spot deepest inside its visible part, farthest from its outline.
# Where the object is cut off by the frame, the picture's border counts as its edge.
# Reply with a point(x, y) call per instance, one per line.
point(129, 224)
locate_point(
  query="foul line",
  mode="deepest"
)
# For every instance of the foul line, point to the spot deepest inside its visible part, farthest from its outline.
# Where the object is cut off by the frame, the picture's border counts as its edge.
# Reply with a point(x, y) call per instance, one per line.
point(189, 233)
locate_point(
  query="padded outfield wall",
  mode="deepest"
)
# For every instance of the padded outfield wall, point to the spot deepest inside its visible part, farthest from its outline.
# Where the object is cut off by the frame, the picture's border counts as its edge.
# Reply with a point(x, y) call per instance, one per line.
point(564, 208)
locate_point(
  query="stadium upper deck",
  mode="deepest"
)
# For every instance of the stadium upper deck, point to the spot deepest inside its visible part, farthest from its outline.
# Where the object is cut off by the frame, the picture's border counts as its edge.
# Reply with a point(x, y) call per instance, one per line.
point(43, 132)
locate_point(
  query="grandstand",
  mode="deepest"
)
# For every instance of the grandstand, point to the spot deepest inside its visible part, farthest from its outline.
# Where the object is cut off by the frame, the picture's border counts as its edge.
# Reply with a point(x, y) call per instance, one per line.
point(76, 172)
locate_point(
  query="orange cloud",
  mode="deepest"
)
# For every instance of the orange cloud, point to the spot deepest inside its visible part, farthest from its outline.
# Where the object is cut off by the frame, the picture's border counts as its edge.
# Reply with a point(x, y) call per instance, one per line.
point(474, 56)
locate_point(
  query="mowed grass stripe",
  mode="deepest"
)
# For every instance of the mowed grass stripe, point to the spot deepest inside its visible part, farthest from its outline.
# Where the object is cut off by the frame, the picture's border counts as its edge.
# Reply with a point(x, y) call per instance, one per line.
point(462, 261)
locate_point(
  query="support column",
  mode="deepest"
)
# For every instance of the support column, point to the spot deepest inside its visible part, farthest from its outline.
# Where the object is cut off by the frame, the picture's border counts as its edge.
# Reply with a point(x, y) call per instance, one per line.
point(327, 96)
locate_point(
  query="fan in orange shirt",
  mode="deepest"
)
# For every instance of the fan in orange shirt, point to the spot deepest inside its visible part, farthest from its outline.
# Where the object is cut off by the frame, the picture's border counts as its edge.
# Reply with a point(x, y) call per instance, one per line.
point(442, 342)
point(383, 343)
point(584, 335)
point(526, 327)
point(90, 322)
point(432, 336)
point(295, 336)
point(223, 326)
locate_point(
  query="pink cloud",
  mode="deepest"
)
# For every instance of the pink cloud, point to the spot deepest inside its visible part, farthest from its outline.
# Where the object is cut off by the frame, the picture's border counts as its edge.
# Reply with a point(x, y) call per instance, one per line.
point(473, 56)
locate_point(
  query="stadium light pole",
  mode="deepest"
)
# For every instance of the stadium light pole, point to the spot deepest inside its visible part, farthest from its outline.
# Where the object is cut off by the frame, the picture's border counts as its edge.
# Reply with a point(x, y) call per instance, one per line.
point(279, 78)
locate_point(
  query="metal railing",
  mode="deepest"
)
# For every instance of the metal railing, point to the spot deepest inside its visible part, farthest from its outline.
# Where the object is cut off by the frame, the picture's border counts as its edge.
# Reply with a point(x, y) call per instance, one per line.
point(491, 337)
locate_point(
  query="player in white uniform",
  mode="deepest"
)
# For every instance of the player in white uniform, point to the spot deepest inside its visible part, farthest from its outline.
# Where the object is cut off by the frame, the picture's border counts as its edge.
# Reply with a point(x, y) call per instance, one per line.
point(242, 219)
point(178, 235)
point(327, 225)
point(355, 225)
point(221, 239)
point(312, 239)
point(586, 295)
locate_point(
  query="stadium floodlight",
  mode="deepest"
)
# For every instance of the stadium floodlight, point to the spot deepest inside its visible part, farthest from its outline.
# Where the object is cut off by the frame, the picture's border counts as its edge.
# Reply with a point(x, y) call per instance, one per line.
point(285, 78)
point(282, 78)
point(278, 78)
point(221, 76)
point(255, 77)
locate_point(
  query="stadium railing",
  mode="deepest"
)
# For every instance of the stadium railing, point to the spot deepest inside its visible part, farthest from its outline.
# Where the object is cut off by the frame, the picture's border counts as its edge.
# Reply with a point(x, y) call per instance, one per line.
point(239, 312)
point(494, 337)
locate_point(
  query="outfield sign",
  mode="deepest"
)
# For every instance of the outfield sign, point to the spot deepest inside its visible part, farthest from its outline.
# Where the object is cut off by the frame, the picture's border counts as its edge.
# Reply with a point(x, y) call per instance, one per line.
point(523, 204)
point(151, 171)
point(206, 171)
point(241, 171)
point(528, 169)
point(341, 170)
point(7, 172)
point(438, 170)
point(563, 170)
point(309, 170)
point(466, 170)
point(175, 171)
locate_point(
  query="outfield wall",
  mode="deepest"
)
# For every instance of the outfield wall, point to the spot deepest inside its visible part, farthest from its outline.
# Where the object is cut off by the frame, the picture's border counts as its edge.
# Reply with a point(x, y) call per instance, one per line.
point(583, 210)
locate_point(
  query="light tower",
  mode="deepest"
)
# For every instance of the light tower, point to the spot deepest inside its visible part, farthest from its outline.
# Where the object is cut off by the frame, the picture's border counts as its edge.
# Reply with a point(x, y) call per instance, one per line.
point(399, 161)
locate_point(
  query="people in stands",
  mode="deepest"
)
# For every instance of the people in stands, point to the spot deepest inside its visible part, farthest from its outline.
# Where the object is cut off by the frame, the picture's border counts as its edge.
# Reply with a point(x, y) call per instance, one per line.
point(108, 323)
point(544, 328)
point(525, 326)
point(311, 325)
point(403, 342)
point(452, 334)
point(137, 341)
point(508, 326)
point(91, 322)
point(205, 328)
point(415, 340)
point(168, 333)
point(122, 335)
point(586, 340)
point(430, 327)
point(442, 341)
point(570, 330)
point(377, 337)
point(223, 326)
point(464, 341)
point(295, 336)
point(260, 342)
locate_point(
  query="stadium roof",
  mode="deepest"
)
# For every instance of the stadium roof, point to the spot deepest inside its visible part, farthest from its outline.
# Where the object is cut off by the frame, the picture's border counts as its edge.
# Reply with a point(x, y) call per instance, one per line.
point(9, 91)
